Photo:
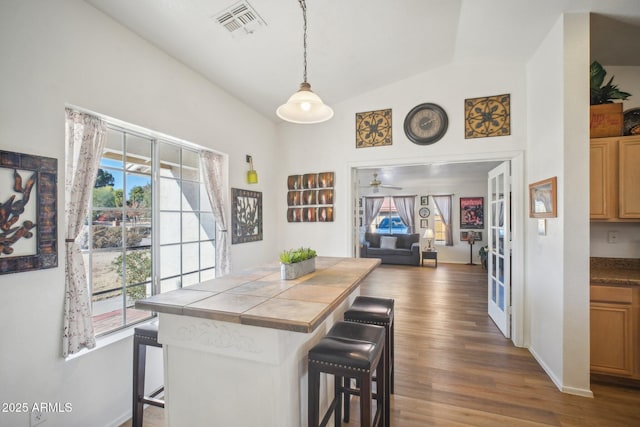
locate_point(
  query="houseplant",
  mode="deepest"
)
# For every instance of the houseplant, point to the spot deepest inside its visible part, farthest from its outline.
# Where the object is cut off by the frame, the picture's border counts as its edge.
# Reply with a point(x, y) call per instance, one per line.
point(606, 116)
point(297, 262)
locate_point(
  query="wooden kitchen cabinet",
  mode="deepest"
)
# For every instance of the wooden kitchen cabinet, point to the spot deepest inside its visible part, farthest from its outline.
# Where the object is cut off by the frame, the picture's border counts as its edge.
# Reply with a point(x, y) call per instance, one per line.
point(614, 178)
point(615, 317)
point(629, 177)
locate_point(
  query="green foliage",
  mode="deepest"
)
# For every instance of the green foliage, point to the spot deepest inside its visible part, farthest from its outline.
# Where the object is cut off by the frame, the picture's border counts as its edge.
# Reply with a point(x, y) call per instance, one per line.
point(118, 197)
point(292, 256)
point(140, 197)
point(603, 94)
point(104, 179)
point(138, 270)
point(104, 197)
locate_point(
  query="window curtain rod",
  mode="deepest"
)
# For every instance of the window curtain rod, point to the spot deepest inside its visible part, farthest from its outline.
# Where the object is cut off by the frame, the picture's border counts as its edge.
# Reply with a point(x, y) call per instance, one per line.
point(132, 129)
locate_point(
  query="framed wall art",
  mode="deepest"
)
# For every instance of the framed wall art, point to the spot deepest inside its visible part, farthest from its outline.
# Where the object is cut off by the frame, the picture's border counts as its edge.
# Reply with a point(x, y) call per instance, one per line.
point(310, 197)
point(246, 216)
point(373, 128)
point(472, 212)
point(424, 200)
point(465, 235)
point(424, 223)
point(487, 116)
point(542, 199)
point(28, 212)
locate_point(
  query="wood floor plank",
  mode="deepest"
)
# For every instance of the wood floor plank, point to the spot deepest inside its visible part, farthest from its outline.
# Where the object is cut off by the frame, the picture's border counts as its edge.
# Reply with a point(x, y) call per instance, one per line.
point(455, 369)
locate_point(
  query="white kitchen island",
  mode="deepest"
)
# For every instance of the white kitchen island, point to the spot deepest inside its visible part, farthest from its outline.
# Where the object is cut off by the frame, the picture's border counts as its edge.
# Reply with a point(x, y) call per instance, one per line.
point(235, 348)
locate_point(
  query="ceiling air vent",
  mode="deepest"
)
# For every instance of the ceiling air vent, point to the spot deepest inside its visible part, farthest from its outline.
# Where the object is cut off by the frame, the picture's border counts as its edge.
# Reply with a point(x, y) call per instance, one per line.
point(240, 18)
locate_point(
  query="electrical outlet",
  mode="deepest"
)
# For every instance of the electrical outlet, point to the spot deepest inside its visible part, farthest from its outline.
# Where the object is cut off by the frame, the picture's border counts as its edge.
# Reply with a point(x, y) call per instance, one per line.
point(38, 417)
point(612, 237)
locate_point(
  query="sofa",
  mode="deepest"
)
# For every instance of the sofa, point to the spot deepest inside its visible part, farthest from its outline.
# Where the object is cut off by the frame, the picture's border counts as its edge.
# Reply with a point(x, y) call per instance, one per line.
point(392, 248)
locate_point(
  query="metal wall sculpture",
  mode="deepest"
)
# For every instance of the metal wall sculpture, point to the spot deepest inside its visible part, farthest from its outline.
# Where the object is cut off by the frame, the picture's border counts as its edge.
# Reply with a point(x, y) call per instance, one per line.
point(28, 212)
point(246, 216)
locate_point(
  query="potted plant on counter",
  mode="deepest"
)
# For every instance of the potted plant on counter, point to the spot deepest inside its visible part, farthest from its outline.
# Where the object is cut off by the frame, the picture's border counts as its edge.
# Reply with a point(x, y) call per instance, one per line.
point(297, 262)
point(606, 116)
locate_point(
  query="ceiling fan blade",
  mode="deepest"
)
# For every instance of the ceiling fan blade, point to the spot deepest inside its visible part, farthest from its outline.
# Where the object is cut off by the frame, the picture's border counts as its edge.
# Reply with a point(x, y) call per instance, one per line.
point(393, 187)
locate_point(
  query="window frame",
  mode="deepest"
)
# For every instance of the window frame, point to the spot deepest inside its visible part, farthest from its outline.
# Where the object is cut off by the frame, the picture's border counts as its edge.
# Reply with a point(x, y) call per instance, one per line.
point(388, 214)
point(154, 247)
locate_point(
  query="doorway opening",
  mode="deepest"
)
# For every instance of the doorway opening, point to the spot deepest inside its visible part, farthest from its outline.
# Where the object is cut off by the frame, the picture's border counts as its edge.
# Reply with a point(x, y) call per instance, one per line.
point(459, 178)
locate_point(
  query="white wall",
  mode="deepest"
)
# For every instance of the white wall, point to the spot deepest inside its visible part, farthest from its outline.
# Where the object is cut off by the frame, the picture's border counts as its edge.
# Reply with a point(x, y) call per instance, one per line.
point(330, 146)
point(557, 285)
point(628, 80)
point(576, 348)
point(61, 52)
point(627, 245)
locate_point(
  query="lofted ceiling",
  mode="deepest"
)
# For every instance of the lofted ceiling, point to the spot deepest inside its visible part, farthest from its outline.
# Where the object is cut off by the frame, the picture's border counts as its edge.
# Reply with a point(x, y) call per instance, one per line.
point(354, 46)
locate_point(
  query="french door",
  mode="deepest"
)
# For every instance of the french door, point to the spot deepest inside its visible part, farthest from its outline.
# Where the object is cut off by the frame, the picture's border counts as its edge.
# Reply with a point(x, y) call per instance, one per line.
point(499, 253)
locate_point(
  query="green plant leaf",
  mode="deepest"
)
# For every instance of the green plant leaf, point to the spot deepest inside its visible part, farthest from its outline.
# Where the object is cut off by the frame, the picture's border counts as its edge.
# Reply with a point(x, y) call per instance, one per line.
point(597, 73)
point(603, 94)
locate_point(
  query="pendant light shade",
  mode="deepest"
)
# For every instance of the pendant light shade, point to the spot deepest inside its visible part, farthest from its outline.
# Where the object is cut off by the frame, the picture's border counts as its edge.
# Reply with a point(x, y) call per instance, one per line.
point(304, 106)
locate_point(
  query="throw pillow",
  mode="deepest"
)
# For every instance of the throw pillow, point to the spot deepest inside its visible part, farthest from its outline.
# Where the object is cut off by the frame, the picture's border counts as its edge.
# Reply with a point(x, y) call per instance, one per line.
point(388, 242)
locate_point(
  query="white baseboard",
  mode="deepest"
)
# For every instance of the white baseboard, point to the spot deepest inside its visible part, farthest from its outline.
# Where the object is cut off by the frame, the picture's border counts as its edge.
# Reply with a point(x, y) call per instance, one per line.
point(561, 387)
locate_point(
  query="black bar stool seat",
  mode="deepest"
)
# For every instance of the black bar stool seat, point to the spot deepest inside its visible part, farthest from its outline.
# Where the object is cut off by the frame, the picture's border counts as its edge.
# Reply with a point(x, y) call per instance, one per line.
point(380, 312)
point(349, 350)
point(142, 337)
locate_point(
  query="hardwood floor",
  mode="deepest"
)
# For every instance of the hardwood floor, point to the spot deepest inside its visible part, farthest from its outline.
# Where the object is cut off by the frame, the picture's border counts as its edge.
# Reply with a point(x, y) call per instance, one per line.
point(454, 368)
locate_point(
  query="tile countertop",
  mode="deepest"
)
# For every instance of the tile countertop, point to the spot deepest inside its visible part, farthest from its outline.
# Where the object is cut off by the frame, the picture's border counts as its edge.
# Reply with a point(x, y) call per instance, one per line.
point(615, 271)
point(258, 296)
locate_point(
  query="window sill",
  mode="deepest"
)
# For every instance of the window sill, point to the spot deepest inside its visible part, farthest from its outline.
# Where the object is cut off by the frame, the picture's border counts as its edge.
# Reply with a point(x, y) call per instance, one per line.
point(109, 339)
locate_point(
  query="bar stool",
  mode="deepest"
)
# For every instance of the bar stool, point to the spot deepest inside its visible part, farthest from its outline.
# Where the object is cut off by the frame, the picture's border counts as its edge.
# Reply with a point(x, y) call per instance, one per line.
point(349, 350)
point(142, 337)
point(375, 311)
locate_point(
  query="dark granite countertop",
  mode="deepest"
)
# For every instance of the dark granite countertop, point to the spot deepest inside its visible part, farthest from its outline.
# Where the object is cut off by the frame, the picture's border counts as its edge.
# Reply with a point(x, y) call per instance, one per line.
point(615, 271)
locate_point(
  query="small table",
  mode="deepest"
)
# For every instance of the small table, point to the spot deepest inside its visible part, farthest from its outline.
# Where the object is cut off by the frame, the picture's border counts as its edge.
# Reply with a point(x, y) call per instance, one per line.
point(430, 255)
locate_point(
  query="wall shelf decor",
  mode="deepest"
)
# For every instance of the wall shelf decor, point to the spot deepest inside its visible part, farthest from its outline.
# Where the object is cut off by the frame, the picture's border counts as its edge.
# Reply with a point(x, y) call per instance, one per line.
point(472, 212)
point(246, 216)
point(487, 116)
point(310, 197)
point(373, 128)
point(28, 212)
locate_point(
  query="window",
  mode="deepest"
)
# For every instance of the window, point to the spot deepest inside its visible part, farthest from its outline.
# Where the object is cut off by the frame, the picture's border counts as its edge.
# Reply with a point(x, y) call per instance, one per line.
point(438, 228)
point(151, 226)
point(388, 221)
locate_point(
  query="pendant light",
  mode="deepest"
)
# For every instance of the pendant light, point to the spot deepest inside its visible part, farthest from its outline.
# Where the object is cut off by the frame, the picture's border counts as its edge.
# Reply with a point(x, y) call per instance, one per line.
point(304, 106)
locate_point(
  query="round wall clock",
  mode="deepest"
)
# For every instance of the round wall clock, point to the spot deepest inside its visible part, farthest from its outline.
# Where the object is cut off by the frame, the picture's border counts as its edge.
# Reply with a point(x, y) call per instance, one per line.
point(426, 123)
point(424, 212)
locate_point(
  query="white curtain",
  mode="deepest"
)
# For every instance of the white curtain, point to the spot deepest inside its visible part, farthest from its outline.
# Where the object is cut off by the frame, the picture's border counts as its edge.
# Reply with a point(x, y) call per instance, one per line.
point(443, 203)
point(213, 166)
point(405, 206)
point(85, 136)
point(372, 207)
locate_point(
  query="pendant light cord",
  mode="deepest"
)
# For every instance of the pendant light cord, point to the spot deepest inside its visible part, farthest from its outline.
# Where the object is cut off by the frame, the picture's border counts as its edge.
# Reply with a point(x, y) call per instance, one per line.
point(303, 5)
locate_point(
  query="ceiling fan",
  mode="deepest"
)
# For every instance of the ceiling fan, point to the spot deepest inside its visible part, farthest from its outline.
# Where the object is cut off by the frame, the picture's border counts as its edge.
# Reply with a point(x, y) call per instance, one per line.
point(376, 184)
